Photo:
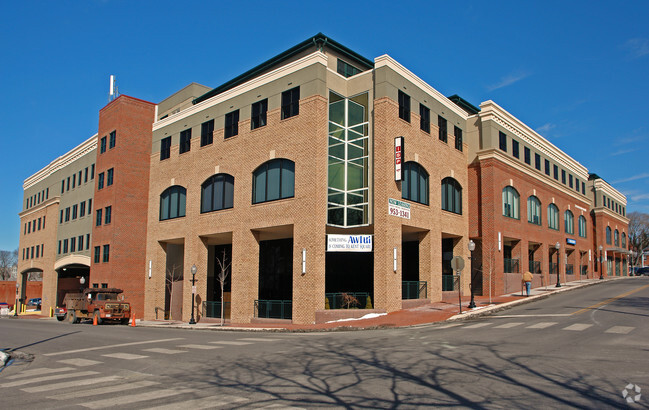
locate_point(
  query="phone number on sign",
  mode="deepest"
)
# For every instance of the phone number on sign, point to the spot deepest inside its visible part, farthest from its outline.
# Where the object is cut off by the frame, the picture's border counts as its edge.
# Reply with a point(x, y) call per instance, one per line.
point(400, 212)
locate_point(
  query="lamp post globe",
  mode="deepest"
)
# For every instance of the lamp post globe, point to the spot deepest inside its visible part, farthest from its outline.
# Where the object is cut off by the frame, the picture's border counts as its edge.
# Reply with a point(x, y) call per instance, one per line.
point(557, 246)
point(193, 271)
point(601, 260)
point(471, 247)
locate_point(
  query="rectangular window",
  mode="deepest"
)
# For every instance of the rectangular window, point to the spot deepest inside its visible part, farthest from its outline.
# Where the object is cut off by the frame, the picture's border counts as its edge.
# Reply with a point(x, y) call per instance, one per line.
point(106, 253)
point(102, 147)
point(258, 117)
point(185, 141)
point(39, 224)
point(346, 70)
point(563, 176)
point(38, 200)
point(85, 176)
point(577, 184)
point(74, 211)
point(100, 181)
point(92, 171)
point(547, 167)
point(570, 180)
point(89, 206)
point(87, 241)
point(404, 106)
point(458, 138)
point(109, 177)
point(113, 137)
point(62, 186)
point(61, 218)
point(38, 248)
point(502, 141)
point(67, 184)
point(74, 180)
point(291, 103)
point(59, 250)
point(80, 174)
point(67, 214)
point(43, 222)
point(424, 118)
point(29, 227)
point(32, 253)
point(108, 212)
point(515, 148)
point(583, 187)
point(528, 158)
point(65, 246)
point(104, 285)
point(231, 124)
point(73, 244)
point(97, 254)
point(82, 209)
point(556, 172)
point(443, 130)
point(80, 240)
point(98, 218)
point(165, 148)
point(207, 133)
point(24, 253)
point(537, 161)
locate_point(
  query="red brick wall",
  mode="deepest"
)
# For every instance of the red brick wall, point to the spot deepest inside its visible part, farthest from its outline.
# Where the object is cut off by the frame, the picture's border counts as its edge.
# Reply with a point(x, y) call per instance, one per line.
point(8, 291)
point(128, 196)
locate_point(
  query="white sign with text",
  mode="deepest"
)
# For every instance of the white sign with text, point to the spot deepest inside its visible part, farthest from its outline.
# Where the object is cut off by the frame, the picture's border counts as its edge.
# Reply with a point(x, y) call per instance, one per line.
point(349, 243)
point(398, 208)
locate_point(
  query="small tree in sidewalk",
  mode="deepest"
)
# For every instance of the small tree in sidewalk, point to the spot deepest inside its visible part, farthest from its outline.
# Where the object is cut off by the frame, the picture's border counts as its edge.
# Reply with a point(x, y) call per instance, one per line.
point(174, 274)
point(221, 276)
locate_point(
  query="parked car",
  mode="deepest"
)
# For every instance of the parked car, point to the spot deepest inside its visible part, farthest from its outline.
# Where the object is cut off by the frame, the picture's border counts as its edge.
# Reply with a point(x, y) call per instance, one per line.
point(642, 271)
point(34, 303)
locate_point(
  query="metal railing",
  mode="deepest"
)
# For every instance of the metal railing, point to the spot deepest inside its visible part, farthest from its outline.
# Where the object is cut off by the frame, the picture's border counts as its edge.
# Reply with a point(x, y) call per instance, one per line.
point(584, 270)
point(274, 309)
point(553, 268)
point(412, 289)
point(511, 265)
point(349, 300)
point(213, 309)
point(535, 267)
point(569, 269)
point(448, 282)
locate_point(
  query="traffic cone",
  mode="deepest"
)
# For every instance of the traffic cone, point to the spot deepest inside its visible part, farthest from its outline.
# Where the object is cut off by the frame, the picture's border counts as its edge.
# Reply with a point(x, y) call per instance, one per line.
point(94, 320)
point(132, 319)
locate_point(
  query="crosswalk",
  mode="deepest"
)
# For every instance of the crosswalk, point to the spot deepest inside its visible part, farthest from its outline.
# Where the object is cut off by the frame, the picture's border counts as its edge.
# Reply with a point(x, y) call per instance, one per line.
point(83, 382)
point(574, 327)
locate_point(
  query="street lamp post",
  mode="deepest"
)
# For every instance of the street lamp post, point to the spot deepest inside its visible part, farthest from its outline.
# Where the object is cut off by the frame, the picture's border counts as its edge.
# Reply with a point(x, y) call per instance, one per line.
point(16, 304)
point(601, 258)
point(193, 270)
point(471, 249)
point(557, 246)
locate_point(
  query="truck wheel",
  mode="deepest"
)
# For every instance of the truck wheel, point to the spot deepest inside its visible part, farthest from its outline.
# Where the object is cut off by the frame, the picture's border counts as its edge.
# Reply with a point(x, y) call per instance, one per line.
point(98, 317)
point(72, 316)
point(62, 318)
point(125, 321)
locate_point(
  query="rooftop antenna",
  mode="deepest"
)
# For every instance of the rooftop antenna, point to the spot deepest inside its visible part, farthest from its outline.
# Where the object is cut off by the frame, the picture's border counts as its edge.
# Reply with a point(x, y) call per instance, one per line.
point(114, 93)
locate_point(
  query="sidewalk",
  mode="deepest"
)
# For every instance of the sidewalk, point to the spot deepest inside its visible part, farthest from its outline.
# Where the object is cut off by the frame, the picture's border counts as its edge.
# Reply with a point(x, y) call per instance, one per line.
point(423, 315)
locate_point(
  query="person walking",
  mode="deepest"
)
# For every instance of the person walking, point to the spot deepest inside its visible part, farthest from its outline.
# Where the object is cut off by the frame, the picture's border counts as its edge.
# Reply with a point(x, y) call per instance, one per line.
point(527, 280)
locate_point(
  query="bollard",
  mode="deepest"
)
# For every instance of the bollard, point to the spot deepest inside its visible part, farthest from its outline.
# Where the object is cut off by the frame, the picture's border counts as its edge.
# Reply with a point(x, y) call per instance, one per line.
point(51, 312)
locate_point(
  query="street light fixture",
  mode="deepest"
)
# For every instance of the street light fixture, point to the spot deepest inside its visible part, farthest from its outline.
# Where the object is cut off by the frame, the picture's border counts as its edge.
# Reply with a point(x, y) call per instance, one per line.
point(193, 271)
point(601, 259)
point(16, 304)
point(471, 249)
point(557, 246)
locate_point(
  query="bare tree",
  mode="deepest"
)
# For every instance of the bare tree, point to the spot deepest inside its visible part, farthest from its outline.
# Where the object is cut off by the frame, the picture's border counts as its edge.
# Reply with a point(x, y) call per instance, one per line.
point(174, 274)
point(224, 272)
point(638, 233)
point(8, 260)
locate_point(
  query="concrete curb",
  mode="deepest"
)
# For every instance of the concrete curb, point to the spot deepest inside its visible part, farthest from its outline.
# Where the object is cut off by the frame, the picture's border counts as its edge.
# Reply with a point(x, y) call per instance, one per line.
point(507, 305)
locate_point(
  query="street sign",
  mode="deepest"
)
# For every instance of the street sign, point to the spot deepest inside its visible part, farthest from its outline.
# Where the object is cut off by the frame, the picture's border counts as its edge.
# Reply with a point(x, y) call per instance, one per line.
point(457, 263)
point(194, 290)
point(398, 208)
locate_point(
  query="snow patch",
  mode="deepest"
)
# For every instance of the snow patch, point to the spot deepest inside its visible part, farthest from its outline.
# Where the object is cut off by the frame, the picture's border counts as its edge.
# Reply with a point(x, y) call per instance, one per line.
point(368, 316)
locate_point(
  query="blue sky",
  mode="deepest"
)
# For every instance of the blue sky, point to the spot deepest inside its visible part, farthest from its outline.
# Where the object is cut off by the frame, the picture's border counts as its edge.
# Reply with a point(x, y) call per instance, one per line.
point(577, 72)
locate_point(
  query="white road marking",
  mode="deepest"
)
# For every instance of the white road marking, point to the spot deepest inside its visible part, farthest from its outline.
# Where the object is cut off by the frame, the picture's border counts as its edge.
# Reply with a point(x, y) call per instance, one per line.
point(210, 402)
point(622, 330)
point(541, 325)
point(231, 343)
point(477, 325)
point(134, 398)
point(164, 351)
point(41, 372)
point(90, 349)
point(104, 390)
point(449, 325)
point(66, 385)
point(125, 356)
point(509, 325)
point(578, 327)
point(79, 362)
point(258, 339)
point(535, 315)
point(47, 378)
point(202, 347)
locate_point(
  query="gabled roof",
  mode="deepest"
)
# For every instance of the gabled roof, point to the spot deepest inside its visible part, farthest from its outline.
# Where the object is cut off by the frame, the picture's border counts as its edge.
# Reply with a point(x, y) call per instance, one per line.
point(319, 41)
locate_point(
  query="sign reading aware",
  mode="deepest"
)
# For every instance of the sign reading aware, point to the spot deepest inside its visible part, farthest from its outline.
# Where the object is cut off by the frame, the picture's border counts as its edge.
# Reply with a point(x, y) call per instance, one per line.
point(349, 243)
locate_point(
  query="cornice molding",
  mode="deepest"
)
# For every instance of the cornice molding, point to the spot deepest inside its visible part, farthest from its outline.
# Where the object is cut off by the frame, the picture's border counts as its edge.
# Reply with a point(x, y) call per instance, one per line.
point(313, 58)
point(498, 155)
point(608, 212)
point(387, 61)
point(492, 111)
point(601, 185)
point(61, 162)
point(52, 201)
point(71, 260)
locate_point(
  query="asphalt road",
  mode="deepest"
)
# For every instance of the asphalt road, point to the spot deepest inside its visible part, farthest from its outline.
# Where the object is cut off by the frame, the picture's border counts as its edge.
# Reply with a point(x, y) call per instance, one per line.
point(577, 349)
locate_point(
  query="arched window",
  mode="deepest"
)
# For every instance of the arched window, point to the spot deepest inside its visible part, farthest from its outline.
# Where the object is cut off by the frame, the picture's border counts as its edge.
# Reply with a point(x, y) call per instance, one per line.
point(534, 210)
point(623, 240)
point(582, 226)
point(553, 217)
point(608, 235)
point(172, 202)
point(617, 238)
point(415, 183)
point(451, 195)
point(217, 193)
point(273, 180)
point(569, 222)
point(510, 202)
